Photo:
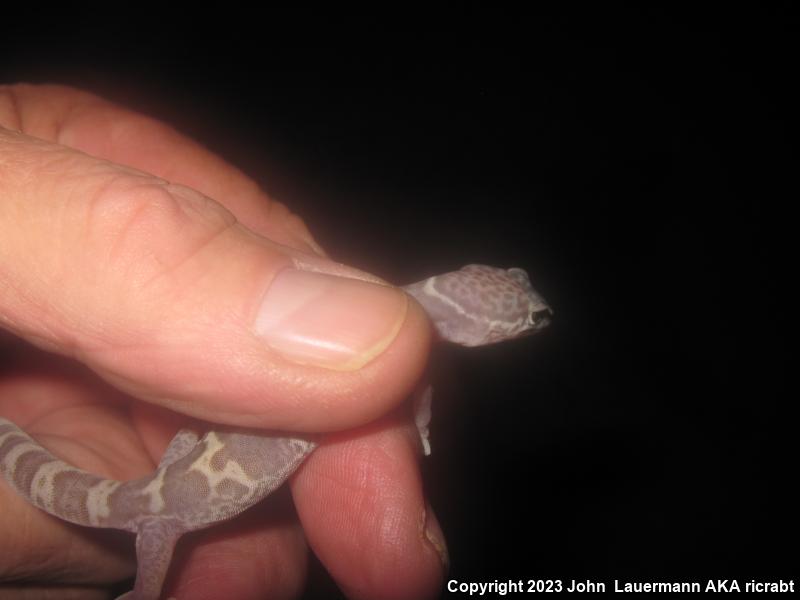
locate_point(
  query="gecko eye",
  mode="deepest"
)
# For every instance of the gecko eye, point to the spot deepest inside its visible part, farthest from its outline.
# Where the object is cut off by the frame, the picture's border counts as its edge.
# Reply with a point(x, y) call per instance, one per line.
point(540, 318)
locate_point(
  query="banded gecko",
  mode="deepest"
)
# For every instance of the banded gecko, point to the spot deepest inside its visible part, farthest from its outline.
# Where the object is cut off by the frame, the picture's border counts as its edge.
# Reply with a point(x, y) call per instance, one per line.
point(202, 481)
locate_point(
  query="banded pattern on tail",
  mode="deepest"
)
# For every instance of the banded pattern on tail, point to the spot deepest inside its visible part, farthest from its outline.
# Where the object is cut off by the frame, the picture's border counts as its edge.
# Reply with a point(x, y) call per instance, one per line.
point(50, 483)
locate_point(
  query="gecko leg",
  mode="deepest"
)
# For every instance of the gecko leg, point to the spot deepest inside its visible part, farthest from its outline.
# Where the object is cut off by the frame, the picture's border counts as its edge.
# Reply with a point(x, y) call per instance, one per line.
point(422, 416)
point(155, 544)
point(180, 446)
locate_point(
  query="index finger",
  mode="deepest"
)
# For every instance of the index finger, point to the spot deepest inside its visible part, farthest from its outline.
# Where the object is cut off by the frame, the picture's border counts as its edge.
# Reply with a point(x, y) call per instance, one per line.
point(98, 127)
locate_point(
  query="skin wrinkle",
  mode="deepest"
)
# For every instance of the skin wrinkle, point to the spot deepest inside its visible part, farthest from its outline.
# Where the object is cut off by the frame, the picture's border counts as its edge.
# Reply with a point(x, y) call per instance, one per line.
point(199, 247)
point(385, 541)
point(56, 158)
point(368, 477)
point(355, 487)
point(392, 522)
point(140, 207)
point(100, 196)
point(196, 249)
point(121, 237)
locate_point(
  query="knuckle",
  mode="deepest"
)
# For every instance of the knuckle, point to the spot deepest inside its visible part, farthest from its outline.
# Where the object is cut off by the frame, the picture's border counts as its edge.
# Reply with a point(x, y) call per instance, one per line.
point(122, 208)
point(144, 227)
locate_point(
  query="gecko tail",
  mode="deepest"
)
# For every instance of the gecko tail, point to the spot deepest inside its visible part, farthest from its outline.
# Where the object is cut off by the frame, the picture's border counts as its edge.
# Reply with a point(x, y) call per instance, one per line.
point(82, 498)
point(51, 484)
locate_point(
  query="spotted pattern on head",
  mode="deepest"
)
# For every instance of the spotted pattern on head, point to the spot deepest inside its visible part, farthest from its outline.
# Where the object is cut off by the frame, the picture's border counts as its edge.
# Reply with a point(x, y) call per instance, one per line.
point(479, 304)
point(486, 291)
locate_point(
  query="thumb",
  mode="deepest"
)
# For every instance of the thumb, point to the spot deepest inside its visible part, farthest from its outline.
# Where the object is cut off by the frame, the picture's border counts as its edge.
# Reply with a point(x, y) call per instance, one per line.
point(159, 289)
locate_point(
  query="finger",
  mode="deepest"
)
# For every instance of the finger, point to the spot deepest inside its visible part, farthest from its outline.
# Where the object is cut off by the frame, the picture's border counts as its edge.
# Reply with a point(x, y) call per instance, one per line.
point(160, 290)
point(360, 500)
point(93, 125)
point(38, 549)
point(260, 554)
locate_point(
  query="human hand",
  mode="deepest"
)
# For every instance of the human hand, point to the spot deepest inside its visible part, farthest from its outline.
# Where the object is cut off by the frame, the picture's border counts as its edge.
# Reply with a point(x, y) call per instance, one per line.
point(134, 274)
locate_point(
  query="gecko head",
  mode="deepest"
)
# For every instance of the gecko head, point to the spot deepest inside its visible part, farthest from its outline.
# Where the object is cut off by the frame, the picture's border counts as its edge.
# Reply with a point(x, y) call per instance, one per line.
point(490, 305)
point(538, 311)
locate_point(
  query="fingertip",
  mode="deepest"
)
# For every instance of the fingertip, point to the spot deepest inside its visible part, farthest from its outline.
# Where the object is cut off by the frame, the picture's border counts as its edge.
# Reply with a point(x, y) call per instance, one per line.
point(360, 500)
point(330, 322)
point(262, 553)
point(432, 530)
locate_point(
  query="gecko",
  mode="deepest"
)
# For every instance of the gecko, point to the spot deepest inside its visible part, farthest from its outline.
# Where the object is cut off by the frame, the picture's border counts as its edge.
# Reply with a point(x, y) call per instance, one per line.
point(201, 481)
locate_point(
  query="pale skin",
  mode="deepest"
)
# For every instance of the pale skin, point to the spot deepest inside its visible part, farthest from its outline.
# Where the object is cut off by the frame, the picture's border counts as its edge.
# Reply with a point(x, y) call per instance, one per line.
point(62, 216)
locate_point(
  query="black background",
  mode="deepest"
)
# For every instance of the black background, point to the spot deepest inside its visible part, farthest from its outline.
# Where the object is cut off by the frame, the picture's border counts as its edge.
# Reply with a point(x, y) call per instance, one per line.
point(638, 163)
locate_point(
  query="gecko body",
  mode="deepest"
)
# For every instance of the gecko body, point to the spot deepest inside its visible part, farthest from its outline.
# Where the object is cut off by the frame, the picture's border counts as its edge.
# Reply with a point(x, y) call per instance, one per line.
point(203, 480)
